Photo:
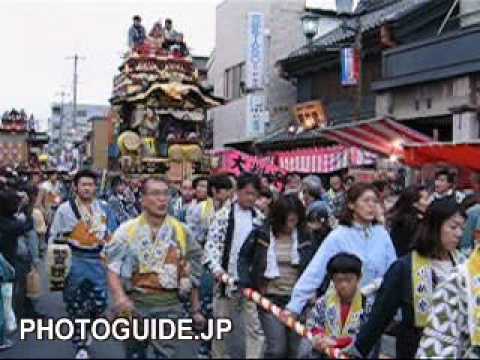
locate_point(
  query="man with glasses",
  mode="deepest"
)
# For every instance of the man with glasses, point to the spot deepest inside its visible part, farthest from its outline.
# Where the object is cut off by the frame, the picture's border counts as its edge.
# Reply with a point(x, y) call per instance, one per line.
point(153, 264)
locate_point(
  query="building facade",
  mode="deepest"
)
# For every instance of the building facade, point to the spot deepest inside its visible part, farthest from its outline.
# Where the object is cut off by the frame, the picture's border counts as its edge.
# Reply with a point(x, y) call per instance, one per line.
point(433, 84)
point(65, 134)
point(387, 27)
point(99, 143)
point(228, 68)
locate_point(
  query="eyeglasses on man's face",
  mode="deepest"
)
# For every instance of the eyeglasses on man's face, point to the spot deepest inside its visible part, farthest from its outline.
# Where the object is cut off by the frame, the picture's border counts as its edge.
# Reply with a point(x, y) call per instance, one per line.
point(157, 193)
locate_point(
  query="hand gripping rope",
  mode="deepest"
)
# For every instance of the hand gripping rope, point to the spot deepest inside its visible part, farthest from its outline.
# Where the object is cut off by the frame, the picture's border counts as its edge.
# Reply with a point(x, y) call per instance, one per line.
point(288, 320)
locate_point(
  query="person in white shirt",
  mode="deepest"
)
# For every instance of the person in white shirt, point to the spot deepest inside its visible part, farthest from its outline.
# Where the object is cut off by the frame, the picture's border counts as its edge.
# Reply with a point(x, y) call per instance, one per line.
point(226, 236)
point(50, 196)
point(445, 186)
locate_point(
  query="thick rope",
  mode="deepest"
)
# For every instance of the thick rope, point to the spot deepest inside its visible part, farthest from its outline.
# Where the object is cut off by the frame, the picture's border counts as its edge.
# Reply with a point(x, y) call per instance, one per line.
point(288, 320)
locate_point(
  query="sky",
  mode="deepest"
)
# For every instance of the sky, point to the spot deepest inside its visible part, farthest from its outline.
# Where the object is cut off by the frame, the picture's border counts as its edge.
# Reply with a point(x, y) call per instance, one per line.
point(37, 36)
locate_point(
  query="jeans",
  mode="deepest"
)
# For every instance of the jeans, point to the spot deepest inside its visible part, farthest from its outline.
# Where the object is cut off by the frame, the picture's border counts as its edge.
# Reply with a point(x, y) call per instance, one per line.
point(280, 341)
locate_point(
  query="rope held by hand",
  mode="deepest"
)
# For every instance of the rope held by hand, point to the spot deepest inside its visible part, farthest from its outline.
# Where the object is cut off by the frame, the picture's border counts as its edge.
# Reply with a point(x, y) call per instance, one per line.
point(287, 319)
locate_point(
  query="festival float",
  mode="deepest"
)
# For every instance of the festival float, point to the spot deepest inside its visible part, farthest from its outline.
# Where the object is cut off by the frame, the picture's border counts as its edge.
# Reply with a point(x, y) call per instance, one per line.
point(21, 146)
point(159, 107)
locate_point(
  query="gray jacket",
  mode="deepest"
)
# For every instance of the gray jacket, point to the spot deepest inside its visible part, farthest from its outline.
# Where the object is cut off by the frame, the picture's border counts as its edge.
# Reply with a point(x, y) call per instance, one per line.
point(136, 36)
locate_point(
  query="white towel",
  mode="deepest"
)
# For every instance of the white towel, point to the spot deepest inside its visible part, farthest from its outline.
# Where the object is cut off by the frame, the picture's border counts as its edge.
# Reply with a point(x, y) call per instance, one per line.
point(272, 271)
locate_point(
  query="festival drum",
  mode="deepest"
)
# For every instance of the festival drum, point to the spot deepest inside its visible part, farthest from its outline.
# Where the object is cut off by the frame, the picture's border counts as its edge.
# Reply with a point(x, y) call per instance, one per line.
point(128, 142)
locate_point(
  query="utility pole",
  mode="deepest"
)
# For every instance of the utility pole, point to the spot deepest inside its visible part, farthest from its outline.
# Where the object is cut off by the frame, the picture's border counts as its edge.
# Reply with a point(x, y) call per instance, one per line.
point(359, 53)
point(62, 94)
point(75, 59)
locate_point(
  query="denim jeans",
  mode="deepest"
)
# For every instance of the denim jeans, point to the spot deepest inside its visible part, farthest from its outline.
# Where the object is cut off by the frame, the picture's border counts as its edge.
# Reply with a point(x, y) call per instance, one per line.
point(280, 342)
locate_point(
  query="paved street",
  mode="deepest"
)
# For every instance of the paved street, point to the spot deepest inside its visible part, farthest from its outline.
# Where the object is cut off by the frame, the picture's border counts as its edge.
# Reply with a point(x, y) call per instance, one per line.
point(51, 304)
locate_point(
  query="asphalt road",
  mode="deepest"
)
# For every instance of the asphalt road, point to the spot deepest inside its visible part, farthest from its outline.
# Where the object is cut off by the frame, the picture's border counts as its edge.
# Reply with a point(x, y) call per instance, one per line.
point(51, 304)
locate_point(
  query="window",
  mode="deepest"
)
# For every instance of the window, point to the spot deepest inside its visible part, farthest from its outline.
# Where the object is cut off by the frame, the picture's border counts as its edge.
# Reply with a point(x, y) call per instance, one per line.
point(449, 88)
point(227, 85)
point(429, 103)
point(81, 113)
point(234, 81)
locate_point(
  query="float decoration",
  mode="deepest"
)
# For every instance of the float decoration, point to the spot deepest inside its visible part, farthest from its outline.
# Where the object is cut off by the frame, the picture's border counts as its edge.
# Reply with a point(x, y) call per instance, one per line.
point(159, 104)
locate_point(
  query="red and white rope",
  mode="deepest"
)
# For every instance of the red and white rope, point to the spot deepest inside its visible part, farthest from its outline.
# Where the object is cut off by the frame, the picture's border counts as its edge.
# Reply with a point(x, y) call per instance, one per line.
point(287, 319)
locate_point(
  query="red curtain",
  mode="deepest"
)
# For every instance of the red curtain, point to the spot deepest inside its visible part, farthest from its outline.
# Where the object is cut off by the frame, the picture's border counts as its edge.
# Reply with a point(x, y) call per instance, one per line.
point(466, 156)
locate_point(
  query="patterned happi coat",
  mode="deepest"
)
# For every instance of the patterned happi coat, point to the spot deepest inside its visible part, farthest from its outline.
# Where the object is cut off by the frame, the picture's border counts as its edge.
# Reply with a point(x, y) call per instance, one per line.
point(450, 329)
point(326, 315)
point(133, 252)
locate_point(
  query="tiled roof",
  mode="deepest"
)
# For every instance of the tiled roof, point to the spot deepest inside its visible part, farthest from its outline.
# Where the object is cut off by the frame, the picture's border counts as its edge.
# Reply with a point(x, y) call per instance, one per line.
point(375, 13)
point(285, 136)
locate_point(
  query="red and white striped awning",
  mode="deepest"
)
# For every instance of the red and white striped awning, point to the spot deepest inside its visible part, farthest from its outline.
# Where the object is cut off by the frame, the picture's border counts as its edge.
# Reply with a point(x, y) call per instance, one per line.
point(323, 160)
point(383, 136)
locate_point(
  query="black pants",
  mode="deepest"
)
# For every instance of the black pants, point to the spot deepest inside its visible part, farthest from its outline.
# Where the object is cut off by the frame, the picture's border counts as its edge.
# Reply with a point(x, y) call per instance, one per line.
point(408, 340)
point(22, 305)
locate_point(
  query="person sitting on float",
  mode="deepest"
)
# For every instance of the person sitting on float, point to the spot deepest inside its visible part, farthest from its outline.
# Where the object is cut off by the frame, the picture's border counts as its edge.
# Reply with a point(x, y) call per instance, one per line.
point(136, 34)
point(169, 33)
point(156, 37)
point(173, 40)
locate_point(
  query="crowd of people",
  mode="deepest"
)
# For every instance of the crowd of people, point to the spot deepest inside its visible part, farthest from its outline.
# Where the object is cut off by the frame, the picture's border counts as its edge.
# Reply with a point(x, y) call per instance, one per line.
point(353, 262)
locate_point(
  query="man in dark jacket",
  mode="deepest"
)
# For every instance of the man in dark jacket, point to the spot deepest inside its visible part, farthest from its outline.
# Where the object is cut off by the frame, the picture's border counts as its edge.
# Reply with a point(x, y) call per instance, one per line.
point(11, 228)
point(137, 33)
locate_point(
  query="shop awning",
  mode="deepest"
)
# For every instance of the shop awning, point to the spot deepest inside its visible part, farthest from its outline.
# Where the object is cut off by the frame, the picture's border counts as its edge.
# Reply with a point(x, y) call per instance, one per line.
point(323, 160)
point(382, 136)
point(465, 155)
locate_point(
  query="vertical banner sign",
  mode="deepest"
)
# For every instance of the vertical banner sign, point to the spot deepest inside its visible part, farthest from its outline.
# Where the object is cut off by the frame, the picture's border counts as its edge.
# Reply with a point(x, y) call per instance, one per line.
point(255, 115)
point(350, 66)
point(255, 76)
